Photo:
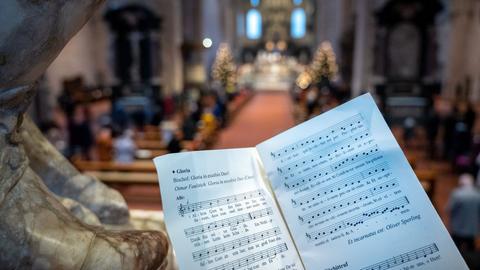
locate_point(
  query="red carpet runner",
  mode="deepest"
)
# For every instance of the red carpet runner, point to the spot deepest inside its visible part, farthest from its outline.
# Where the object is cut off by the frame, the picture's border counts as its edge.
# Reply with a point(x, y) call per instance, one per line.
point(267, 114)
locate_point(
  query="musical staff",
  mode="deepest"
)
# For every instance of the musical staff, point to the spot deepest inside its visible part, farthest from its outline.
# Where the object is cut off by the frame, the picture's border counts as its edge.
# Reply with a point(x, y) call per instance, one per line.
point(233, 221)
point(355, 158)
point(416, 254)
point(325, 171)
point(256, 257)
point(336, 148)
point(350, 201)
point(192, 207)
point(354, 221)
point(231, 245)
point(342, 184)
point(354, 122)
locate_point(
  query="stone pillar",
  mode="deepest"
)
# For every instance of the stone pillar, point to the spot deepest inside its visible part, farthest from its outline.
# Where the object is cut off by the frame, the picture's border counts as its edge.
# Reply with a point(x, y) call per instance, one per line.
point(228, 22)
point(213, 29)
point(463, 57)
point(362, 55)
point(171, 42)
point(329, 21)
point(100, 40)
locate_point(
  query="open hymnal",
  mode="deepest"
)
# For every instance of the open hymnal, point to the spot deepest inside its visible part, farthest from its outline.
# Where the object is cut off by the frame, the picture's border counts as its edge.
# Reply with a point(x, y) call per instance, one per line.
point(335, 192)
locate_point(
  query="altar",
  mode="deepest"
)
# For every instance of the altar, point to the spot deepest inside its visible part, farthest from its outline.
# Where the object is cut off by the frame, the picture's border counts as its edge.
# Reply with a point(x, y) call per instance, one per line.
point(272, 71)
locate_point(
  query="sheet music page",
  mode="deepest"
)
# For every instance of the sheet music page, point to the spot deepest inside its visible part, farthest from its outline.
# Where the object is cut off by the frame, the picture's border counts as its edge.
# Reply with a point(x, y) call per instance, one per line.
point(350, 198)
point(219, 214)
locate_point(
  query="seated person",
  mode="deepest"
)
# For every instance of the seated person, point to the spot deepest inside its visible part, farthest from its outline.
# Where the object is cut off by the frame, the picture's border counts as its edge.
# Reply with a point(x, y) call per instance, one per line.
point(124, 147)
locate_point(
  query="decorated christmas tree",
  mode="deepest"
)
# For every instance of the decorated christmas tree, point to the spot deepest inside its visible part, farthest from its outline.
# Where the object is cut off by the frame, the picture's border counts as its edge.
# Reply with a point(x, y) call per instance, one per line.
point(323, 67)
point(224, 69)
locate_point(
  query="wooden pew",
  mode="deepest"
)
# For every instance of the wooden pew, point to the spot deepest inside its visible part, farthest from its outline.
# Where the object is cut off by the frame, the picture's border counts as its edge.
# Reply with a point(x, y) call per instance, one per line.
point(155, 145)
point(415, 157)
point(428, 179)
point(149, 135)
point(138, 188)
point(135, 166)
point(412, 159)
point(152, 128)
point(150, 144)
point(147, 154)
point(125, 177)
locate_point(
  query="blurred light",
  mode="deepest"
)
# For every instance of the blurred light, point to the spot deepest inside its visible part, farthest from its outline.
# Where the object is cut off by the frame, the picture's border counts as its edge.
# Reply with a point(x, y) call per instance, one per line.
point(282, 45)
point(326, 45)
point(207, 42)
point(269, 46)
point(304, 79)
point(297, 2)
point(254, 24)
point(298, 23)
point(254, 2)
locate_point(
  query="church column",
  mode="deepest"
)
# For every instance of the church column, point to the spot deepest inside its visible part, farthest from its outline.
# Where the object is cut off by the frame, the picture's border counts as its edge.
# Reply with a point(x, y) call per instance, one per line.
point(172, 38)
point(362, 55)
point(330, 23)
point(213, 29)
point(463, 58)
point(228, 21)
point(473, 54)
point(458, 40)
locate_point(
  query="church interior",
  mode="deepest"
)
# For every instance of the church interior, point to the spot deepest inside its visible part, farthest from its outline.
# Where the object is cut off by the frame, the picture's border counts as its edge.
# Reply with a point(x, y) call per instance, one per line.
point(145, 78)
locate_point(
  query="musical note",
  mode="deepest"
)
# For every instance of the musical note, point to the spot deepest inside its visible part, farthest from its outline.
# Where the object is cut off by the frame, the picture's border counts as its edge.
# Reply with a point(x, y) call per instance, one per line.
point(333, 150)
point(354, 123)
point(256, 257)
point(361, 218)
point(192, 207)
point(329, 169)
point(347, 202)
point(234, 244)
point(233, 221)
point(416, 254)
point(342, 184)
point(359, 156)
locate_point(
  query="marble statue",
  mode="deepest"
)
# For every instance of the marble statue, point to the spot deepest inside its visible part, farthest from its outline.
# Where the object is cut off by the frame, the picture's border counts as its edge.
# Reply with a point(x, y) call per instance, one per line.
point(65, 180)
point(36, 230)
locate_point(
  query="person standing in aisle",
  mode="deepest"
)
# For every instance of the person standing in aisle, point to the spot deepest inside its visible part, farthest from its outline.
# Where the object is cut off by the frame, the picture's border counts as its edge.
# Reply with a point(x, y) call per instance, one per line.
point(464, 210)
